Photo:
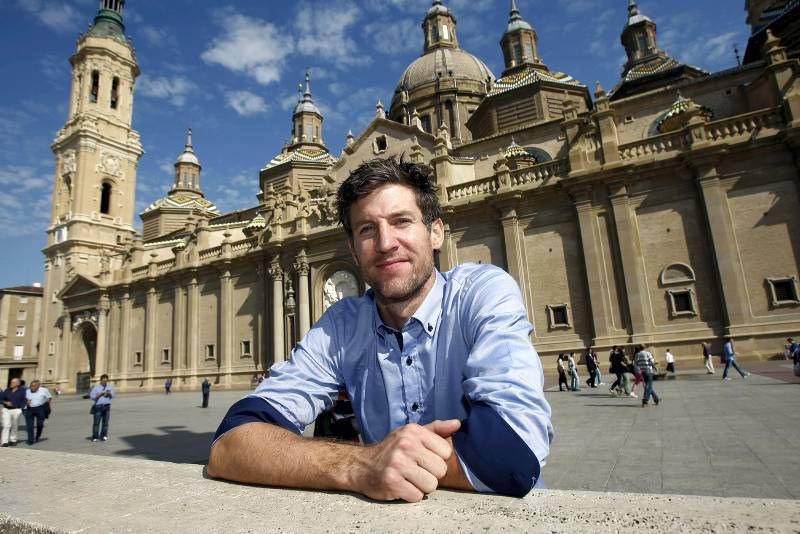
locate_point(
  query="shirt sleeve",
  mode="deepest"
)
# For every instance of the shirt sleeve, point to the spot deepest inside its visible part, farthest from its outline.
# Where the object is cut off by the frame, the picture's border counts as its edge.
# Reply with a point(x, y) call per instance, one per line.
point(506, 437)
point(297, 390)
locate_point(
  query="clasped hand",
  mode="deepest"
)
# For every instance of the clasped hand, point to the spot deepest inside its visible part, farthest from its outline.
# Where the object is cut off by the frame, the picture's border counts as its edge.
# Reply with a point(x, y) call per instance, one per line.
point(408, 463)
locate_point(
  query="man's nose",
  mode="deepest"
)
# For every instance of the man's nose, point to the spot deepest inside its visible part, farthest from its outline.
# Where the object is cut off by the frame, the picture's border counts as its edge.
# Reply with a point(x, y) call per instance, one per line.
point(386, 240)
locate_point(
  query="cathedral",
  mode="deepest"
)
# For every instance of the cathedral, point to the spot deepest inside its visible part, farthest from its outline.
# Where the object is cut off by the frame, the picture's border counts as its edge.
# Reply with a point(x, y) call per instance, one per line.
point(662, 211)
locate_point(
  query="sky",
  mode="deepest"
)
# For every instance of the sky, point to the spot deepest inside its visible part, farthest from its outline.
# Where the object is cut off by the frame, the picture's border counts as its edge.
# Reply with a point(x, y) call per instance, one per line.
point(230, 70)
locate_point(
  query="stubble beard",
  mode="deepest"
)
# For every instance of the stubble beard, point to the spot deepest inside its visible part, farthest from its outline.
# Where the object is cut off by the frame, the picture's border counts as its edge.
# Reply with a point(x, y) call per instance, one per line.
point(403, 290)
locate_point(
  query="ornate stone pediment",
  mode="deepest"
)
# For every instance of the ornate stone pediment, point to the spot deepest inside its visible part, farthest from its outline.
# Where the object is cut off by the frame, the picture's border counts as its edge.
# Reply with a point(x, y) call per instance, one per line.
point(77, 287)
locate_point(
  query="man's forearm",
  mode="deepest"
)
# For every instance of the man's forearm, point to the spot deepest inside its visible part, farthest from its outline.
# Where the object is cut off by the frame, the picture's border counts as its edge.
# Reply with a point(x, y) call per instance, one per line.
point(262, 453)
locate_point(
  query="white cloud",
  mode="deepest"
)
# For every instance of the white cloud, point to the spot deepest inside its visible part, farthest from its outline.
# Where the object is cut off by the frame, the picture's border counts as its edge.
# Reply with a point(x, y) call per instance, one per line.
point(173, 89)
point(59, 16)
point(250, 46)
point(324, 32)
point(398, 37)
point(158, 37)
point(24, 208)
point(245, 103)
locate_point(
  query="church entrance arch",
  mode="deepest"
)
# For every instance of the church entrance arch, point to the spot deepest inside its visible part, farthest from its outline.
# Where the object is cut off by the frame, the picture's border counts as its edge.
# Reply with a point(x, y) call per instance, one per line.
point(83, 356)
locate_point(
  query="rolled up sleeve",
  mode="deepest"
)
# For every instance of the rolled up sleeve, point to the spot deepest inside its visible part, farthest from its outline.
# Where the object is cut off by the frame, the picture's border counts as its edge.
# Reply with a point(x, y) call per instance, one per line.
point(506, 437)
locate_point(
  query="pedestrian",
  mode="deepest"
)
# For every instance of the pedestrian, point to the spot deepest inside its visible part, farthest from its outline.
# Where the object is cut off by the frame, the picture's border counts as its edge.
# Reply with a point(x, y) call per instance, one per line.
point(573, 371)
point(793, 347)
point(206, 387)
point(14, 403)
point(101, 394)
point(708, 360)
point(647, 365)
point(730, 359)
point(598, 375)
point(638, 378)
point(38, 399)
point(670, 362)
point(616, 358)
point(168, 385)
point(591, 368)
point(562, 373)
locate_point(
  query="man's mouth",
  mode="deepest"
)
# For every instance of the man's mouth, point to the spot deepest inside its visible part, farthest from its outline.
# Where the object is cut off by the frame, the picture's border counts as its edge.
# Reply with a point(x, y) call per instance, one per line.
point(390, 264)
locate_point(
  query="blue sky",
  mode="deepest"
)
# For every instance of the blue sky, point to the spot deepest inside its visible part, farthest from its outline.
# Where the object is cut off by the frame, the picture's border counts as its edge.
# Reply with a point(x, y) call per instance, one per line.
point(230, 69)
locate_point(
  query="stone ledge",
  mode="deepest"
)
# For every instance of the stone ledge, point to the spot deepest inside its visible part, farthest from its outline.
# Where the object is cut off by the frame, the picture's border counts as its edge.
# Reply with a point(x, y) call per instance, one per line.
point(47, 492)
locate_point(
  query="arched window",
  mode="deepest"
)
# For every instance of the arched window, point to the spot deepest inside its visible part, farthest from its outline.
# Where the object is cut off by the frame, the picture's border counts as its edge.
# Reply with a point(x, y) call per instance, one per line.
point(95, 86)
point(114, 92)
point(105, 198)
point(448, 106)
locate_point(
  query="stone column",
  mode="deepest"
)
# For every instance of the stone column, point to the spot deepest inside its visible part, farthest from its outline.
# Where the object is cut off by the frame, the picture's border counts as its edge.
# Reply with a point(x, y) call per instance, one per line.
point(592, 257)
point(733, 289)
point(515, 252)
point(150, 334)
point(260, 348)
point(641, 316)
point(101, 358)
point(275, 272)
point(178, 325)
point(66, 347)
point(226, 324)
point(303, 300)
point(124, 333)
point(447, 257)
point(192, 327)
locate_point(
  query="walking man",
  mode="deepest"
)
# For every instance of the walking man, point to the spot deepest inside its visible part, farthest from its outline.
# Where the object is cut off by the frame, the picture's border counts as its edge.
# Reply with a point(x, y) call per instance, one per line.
point(670, 358)
point(573, 371)
point(13, 399)
point(646, 364)
point(707, 359)
point(206, 386)
point(591, 368)
point(101, 394)
point(38, 399)
point(730, 359)
point(168, 385)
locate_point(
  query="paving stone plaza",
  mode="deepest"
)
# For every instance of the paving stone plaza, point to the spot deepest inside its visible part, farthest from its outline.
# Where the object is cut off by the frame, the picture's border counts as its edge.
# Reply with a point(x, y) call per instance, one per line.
point(737, 438)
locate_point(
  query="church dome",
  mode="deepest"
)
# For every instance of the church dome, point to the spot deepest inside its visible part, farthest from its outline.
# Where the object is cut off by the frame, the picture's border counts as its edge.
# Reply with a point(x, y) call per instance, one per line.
point(443, 63)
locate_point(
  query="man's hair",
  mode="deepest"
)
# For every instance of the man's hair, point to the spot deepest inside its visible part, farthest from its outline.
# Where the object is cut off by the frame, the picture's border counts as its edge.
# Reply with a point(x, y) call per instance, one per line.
point(104, 376)
point(35, 382)
point(378, 172)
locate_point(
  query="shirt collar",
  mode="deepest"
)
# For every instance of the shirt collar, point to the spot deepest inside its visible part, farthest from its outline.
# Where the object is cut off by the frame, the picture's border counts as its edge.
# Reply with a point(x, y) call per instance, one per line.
point(427, 314)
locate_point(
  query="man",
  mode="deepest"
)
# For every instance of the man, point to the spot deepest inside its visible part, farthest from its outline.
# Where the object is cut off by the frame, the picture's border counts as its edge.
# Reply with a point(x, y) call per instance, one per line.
point(168, 385)
point(670, 359)
point(484, 426)
point(730, 359)
point(13, 399)
point(101, 394)
point(38, 399)
point(707, 358)
point(206, 386)
point(647, 365)
point(794, 349)
point(591, 368)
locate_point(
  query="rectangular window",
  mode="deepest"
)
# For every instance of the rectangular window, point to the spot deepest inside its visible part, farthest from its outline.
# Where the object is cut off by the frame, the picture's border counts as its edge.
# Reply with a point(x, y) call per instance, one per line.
point(51, 348)
point(22, 315)
point(114, 92)
point(246, 348)
point(137, 358)
point(95, 86)
point(20, 331)
point(682, 302)
point(445, 33)
point(783, 291)
point(23, 300)
point(19, 352)
point(558, 315)
point(164, 355)
point(211, 352)
point(426, 123)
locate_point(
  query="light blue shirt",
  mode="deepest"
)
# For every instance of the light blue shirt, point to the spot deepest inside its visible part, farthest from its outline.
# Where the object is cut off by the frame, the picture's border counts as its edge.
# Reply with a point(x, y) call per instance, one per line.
point(39, 398)
point(727, 350)
point(468, 342)
point(98, 390)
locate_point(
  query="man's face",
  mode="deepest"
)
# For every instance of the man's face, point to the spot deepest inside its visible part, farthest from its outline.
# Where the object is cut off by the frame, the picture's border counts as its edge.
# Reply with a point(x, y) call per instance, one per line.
point(104, 381)
point(14, 383)
point(34, 387)
point(391, 244)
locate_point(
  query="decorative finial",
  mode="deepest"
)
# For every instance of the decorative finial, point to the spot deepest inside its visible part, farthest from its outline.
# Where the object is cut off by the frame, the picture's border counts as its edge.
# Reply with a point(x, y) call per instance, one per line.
point(189, 147)
point(308, 83)
point(633, 9)
point(379, 112)
point(350, 138)
point(598, 90)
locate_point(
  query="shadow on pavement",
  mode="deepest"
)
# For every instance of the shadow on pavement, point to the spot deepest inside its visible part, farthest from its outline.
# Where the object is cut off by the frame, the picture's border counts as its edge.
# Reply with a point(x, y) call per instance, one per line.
point(613, 405)
point(174, 444)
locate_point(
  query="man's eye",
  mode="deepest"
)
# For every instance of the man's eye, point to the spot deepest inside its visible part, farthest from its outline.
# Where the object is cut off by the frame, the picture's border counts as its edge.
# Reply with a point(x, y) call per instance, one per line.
point(365, 230)
point(403, 221)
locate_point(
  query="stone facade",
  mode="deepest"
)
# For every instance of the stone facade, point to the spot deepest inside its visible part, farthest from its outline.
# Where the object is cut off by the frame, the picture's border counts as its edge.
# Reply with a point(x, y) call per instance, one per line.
point(20, 322)
point(663, 213)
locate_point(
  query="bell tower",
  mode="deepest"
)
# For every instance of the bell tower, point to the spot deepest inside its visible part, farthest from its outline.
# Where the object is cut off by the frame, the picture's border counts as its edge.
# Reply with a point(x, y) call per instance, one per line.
point(639, 36)
point(96, 155)
point(440, 27)
point(520, 44)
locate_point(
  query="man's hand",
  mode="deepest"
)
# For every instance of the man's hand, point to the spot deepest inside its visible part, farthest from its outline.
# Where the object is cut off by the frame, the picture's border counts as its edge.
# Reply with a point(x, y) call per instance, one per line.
point(407, 464)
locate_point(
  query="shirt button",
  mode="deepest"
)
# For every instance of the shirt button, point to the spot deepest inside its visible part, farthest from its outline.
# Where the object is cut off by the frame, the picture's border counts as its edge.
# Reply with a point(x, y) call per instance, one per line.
point(430, 328)
point(414, 407)
point(409, 360)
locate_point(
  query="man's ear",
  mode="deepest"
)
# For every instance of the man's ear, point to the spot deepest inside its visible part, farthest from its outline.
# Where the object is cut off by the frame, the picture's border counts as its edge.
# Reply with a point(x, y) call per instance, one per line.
point(437, 234)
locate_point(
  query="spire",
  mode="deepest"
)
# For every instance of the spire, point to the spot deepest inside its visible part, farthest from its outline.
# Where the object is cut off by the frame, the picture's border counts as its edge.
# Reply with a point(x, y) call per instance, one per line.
point(379, 112)
point(108, 21)
point(440, 27)
point(307, 94)
point(305, 102)
point(515, 20)
point(188, 155)
point(189, 147)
